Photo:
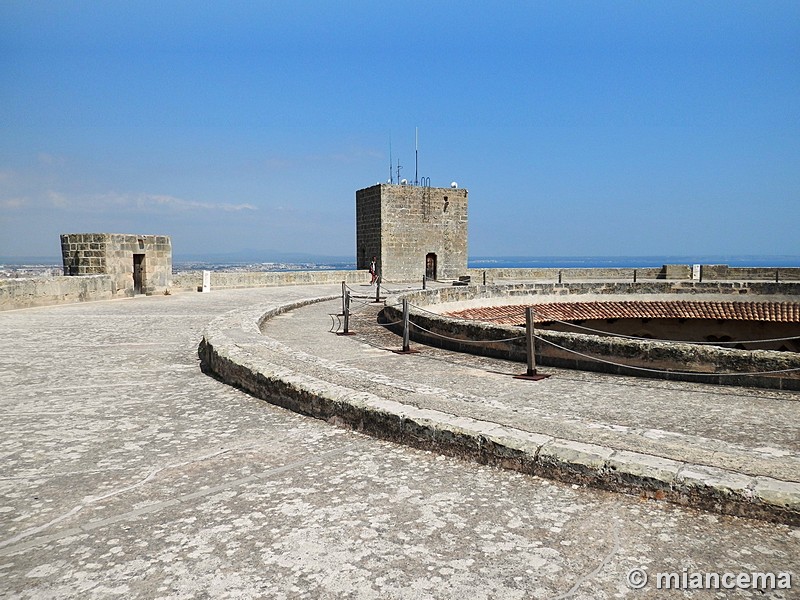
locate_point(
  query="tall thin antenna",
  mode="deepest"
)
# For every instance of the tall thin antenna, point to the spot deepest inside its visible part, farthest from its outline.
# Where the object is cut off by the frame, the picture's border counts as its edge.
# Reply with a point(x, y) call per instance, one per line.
point(398, 170)
point(391, 177)
point(416, 155)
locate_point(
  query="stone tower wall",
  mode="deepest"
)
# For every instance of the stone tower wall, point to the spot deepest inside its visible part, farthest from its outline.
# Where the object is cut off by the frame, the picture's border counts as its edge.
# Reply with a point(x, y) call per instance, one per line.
point(368, 226)
point(113, 254)
point(402, 224)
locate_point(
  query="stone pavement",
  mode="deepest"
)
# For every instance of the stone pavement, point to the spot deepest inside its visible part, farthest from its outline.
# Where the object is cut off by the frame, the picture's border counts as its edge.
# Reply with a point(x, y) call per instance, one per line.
point(126, 472)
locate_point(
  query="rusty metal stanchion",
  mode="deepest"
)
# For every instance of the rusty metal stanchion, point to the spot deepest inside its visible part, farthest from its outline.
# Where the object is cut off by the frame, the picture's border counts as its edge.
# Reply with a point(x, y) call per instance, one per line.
point(634, 276)
point(346, 315)
point(344, 291)
point(377, 290)
point(484, 278)
point(406, 332)
point(530, 338)
point(424, 282)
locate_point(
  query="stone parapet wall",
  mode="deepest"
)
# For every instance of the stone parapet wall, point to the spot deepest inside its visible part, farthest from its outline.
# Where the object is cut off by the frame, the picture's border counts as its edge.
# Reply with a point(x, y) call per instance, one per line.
point(192, 280)
point(642, 358)
point(552, 274)
point(47, 291)
point(724, 272)
point(669, 272)
point(566, 291)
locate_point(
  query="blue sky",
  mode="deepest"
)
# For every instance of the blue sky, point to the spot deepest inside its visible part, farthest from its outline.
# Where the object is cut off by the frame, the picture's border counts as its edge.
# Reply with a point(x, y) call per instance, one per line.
point(579, 128)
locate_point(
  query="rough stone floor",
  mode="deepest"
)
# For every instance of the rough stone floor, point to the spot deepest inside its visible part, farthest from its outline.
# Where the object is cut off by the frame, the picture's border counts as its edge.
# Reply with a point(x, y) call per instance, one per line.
point(126, 472)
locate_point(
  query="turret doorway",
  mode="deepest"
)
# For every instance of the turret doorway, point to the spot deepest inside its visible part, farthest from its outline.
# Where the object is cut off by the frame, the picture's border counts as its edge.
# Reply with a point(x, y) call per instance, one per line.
point(430, 266)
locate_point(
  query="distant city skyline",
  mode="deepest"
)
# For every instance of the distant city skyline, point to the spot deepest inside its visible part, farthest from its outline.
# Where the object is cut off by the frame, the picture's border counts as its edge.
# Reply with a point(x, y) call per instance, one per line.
point(579, 129)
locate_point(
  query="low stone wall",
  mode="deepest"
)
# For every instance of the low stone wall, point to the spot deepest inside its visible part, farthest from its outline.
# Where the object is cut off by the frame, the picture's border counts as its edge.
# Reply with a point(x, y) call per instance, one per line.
point(192, 280)
point(669, 272)
point(47, 291)
point(552, 274)
point(233, 350)
point(724, 272)
point(642, 358)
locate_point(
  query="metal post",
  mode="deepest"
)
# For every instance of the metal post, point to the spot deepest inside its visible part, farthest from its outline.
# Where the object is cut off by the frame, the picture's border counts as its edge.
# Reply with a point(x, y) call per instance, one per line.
point(347, 313)
point(378, 289)
point(530, 341)
point(701, 274)
point(484, 278)
point(634, 276)
point(559, 277)
point(344, 291)
point(424, 281)
point(406, 346)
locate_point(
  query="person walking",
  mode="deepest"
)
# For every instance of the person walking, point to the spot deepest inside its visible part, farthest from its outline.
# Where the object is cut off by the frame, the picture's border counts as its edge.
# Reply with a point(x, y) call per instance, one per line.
point(373, 270)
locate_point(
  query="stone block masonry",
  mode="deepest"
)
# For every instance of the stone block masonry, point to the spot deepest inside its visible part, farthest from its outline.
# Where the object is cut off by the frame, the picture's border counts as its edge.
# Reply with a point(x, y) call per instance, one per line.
point(137, 264)
point(413, 231)
point(48, 291)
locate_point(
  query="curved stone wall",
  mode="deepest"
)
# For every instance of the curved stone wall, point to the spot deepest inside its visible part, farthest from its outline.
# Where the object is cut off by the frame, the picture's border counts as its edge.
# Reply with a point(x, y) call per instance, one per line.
point(234, 350)
point(643, 358)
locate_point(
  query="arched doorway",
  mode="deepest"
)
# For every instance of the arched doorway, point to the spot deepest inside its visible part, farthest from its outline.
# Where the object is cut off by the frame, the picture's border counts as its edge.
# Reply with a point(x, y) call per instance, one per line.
point(430, 266)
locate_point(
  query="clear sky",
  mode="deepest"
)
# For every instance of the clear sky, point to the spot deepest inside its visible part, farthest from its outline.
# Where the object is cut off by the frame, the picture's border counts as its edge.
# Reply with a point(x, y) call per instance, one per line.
point(579, 128)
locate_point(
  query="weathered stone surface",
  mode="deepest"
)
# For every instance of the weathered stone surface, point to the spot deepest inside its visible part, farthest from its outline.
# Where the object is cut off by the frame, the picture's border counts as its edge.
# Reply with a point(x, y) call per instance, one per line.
point(127, 472)
point(487, 442)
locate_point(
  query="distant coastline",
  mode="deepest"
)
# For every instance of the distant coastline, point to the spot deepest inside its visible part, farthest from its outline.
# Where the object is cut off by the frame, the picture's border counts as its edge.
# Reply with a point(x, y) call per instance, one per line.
point(49, 266)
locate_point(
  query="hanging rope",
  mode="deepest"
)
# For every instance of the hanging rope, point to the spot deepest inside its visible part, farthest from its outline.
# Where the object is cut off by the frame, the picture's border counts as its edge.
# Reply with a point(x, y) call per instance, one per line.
point(651, 370)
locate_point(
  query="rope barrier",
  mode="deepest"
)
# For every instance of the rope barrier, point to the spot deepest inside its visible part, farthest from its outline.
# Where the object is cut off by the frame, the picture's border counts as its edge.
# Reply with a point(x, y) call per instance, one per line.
point(519, 337)
point(650, 370)
point(390, 324)
point(634, 337)
point(609, 333)
point(645, 369)
point(587, 356)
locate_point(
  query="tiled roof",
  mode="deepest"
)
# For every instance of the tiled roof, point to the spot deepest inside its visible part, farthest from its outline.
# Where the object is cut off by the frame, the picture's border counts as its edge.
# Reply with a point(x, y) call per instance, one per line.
point(779, 312)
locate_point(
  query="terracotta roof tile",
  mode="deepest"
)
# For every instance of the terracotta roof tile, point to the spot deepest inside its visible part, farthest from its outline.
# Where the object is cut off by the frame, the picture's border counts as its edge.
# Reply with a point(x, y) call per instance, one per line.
point(781, 312)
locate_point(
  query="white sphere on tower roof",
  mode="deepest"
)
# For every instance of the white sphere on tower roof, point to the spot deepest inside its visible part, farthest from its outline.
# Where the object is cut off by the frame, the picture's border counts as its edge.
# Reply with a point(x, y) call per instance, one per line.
point(453, 184)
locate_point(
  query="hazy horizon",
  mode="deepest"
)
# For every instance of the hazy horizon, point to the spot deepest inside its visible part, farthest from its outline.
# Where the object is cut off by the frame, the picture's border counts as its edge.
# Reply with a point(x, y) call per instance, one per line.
point(473, 261)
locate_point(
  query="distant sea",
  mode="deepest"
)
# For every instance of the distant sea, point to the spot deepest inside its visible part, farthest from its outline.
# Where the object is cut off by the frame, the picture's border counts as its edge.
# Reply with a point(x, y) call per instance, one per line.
point(313, 263)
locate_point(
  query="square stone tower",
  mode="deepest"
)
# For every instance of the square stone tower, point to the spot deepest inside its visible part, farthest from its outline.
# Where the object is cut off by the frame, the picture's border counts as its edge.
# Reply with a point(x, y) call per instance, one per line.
point(412, 231)
point(139, 264)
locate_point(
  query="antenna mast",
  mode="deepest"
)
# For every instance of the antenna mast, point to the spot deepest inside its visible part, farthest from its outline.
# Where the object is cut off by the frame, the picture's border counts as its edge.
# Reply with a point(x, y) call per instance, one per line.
point(391, 178)
point(416, 155)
